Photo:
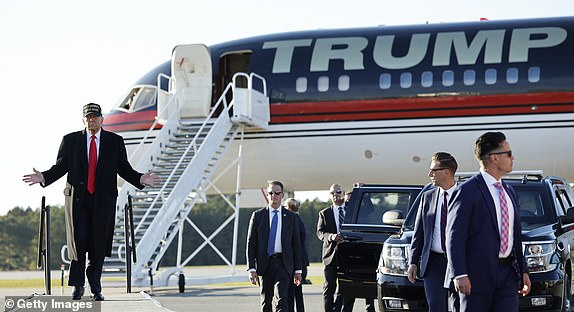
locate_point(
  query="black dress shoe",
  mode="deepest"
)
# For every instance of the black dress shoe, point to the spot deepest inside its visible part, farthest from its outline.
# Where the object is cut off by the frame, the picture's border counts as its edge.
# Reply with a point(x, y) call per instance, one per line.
point(98, 297)
point(78, 292)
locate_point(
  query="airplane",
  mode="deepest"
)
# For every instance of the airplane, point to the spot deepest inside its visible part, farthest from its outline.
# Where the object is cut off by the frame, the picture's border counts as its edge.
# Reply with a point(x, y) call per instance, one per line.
point(373, 104)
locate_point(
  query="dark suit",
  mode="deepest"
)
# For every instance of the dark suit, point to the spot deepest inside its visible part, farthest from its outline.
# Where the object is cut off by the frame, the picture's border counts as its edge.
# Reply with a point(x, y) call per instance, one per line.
point(278, 269)
point(93, 214)
point(326, 226)
point(473, 244)
point(431, 265)
point(296, 302)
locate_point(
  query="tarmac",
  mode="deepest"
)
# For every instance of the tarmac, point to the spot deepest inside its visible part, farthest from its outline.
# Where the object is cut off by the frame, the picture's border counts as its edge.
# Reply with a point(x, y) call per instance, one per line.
point(237, 296)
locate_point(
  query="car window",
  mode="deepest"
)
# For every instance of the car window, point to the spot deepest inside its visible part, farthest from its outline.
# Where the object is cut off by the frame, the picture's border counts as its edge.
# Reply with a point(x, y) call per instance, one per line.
point(530, 204)
point(373, 205)
point(536, 206)
point(563, 200)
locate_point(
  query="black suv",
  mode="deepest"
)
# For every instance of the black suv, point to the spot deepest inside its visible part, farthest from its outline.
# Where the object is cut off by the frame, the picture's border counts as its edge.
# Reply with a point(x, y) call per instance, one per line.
point(374, 212)
point(547, 241)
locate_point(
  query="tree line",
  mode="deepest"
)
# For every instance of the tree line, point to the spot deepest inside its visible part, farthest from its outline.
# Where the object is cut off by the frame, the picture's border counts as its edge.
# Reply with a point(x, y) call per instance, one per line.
point(19, 235)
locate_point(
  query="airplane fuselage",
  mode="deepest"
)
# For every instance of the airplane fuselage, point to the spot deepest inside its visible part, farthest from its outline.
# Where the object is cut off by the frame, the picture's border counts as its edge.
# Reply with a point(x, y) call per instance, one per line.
point(373, 104)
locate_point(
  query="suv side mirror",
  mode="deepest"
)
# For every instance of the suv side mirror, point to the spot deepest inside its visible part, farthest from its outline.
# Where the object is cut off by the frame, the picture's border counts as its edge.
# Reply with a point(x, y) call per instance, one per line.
point(569, 217)
point(393, 217)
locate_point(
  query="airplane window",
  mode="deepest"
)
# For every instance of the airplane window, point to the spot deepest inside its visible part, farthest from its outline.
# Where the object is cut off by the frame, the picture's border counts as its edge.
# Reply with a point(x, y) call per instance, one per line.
point(469, 77)
point(385, 81)
point(448, 78)
point(323, 84)
point(426, 79)
point(534, 74)
point(146, 98)
point(344, 83)
point(512, 75)
point(129, 100)
point(406, 80)
point(490, 76)
point(301, 84)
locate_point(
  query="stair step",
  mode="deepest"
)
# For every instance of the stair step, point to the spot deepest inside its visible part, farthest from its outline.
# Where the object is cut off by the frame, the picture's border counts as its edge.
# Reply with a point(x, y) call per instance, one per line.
point(163, 166)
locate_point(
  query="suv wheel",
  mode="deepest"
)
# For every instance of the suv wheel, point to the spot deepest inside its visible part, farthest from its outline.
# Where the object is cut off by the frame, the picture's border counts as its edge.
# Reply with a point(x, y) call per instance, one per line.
point(566, 295)
point(380, 302)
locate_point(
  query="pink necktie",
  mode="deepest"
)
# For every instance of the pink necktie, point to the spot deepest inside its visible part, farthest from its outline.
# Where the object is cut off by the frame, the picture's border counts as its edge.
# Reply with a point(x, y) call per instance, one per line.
point(503, 217)
point(92, 162)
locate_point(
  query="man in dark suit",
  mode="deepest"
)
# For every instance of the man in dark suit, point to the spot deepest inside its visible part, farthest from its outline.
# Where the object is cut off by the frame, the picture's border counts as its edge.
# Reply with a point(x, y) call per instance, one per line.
point(92, 158)
point(296, 302)
point(484, 245)
point(328, 228)
point(428, 242)
point(274, 250)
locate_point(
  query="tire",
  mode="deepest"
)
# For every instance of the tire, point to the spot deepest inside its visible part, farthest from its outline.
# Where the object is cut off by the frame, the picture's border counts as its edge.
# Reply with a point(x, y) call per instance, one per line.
point(566, 294)
point(380, 303)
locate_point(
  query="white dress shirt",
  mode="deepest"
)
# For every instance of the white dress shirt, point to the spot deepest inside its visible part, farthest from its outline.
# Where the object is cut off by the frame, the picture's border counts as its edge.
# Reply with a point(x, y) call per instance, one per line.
point(278, 247)
point(336, 215)
point(436, 244)
point(490, 181)
point(89, 141)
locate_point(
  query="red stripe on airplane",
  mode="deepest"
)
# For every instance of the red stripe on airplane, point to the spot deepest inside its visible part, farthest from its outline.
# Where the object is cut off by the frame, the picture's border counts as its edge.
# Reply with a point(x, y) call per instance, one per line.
point(130, 121)
point(385, 109)
point(420, 107)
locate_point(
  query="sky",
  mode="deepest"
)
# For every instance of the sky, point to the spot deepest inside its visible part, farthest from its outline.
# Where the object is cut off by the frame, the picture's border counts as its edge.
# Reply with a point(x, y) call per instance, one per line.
point(56, 56)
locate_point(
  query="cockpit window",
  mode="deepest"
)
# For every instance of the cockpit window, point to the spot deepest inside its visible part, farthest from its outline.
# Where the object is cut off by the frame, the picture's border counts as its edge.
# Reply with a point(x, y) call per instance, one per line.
point(139, 98)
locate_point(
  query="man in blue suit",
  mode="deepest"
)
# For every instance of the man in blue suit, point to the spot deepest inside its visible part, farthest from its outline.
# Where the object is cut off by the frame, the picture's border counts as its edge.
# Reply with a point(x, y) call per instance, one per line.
point(274, 250)
point(484, 246)
point(428, 243)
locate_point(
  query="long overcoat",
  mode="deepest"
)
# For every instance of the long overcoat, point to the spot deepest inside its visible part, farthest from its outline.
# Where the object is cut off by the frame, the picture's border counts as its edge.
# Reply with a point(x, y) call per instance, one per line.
point(73, 160)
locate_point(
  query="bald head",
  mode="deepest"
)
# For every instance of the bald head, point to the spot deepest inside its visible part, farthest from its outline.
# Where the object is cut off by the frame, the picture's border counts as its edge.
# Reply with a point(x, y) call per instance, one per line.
point(337, 194)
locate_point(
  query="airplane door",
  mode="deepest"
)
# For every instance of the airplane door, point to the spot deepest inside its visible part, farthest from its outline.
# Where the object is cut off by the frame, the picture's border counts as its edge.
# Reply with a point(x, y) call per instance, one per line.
point(192, 78)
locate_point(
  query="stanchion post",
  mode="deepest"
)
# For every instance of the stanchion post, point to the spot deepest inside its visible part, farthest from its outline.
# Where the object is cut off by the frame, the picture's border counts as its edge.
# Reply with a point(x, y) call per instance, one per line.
point(127, 249)
point(47, 268)
point(150, 281)
point(40, 259)
point(44, 245)
point(62, 269)
point(132, 234)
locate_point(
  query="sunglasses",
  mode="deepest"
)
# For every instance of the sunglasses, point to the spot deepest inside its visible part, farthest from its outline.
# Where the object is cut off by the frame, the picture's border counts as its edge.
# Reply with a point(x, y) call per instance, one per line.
point(270, 193)
point(436, 169)
point(509, 153)
point(336, 192)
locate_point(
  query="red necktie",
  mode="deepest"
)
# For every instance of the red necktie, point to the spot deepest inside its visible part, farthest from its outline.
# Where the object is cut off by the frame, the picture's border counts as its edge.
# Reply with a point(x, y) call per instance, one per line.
point(504, 218)
point(92, 162)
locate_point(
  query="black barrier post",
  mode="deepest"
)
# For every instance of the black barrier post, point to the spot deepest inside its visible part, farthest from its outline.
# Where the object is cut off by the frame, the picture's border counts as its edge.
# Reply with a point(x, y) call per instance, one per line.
point(133, 237)
point(41, 236)
point(130, 242)
point(44, 245)
point(62, 268)
point(128, 251)
point(47, 268)
point(150, 281)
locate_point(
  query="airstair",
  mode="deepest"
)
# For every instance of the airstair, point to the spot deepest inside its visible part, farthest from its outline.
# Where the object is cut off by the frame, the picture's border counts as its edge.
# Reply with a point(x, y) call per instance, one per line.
point(185, 154)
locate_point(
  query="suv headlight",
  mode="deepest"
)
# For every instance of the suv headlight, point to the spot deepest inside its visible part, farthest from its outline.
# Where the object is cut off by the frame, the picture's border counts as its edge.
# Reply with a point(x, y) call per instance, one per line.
point(394, 259)
point(539, 255)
